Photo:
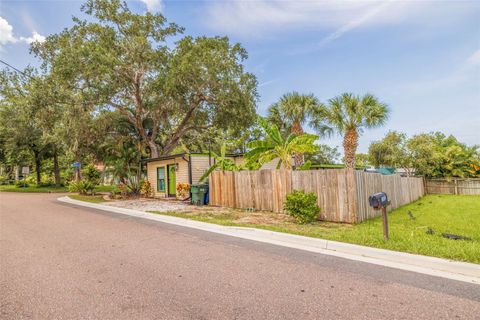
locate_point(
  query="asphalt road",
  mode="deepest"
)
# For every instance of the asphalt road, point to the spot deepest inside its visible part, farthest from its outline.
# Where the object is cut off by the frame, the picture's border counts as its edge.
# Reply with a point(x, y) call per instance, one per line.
point(60, 261)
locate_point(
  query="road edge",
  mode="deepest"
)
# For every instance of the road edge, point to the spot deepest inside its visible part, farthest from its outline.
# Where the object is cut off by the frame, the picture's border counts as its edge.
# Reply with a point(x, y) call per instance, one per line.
point(454, 270)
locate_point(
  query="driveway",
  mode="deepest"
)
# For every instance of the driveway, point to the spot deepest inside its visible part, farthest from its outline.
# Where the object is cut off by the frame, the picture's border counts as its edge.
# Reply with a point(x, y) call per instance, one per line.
point(59, 261)
point(152, 205)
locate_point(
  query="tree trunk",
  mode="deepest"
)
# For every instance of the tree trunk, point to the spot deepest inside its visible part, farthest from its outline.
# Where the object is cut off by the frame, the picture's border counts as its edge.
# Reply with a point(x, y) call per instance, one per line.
point(153, 149)
point(350, 144)
point(38, 167)
point(297, 129)
point(56, 168)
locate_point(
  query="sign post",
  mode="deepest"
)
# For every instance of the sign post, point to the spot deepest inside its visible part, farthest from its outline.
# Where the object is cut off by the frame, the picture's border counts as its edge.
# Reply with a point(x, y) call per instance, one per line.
point(77, 167)
point(25, 172)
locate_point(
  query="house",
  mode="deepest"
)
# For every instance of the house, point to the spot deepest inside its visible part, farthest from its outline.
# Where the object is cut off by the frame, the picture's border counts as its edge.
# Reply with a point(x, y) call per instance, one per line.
point(165, 172)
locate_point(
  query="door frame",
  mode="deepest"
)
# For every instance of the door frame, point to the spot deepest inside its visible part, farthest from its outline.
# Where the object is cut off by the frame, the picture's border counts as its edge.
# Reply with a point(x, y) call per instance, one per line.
point(169, 167)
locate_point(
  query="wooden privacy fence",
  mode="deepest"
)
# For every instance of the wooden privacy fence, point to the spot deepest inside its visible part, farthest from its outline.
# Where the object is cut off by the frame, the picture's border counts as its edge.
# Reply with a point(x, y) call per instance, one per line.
point(400, 191)
point(342, 194)
point(453, 186)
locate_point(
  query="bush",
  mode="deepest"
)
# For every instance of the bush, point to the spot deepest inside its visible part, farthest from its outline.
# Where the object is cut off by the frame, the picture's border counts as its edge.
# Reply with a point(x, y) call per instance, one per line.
point(133, 187)
point(4, 180)
point(122, 189)
point(91, 174)
point(183, 190)
point(146, 189)
point(31, 179)
point(21, 184)
point(302, 206)
point(83, 187)
point(47, 180)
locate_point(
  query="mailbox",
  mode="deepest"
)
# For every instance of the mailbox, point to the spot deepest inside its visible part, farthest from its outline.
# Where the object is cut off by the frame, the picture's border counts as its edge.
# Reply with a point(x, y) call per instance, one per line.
point(378, 200)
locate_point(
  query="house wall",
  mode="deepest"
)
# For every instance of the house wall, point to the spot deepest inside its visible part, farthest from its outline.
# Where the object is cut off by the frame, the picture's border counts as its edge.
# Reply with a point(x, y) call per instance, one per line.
point(199, 166)
point(181, 174)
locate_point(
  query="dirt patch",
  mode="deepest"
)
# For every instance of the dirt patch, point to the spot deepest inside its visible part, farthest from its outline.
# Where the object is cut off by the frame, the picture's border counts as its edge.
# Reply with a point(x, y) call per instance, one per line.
point(153, 205)
point(264, 218)
point(236, 215)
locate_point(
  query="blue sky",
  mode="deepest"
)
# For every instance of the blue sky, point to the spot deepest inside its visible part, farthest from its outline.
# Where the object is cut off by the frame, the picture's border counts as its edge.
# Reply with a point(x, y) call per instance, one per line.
point(420, 57)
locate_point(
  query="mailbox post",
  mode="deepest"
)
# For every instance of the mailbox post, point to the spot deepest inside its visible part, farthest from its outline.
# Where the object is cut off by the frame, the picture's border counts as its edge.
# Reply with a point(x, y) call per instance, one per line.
point(379, 201)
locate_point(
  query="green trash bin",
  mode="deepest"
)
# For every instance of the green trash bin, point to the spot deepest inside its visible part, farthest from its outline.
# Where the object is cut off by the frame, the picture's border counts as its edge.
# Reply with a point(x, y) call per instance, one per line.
point(198, 194)
point(195, 196)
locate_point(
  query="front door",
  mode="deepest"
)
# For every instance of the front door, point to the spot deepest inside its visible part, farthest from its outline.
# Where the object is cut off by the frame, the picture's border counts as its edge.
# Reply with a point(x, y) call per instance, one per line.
point(172, 183)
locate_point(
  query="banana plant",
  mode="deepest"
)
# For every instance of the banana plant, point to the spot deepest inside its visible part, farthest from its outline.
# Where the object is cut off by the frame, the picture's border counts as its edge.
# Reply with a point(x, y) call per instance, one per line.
point(221, 163)
point(275, 146)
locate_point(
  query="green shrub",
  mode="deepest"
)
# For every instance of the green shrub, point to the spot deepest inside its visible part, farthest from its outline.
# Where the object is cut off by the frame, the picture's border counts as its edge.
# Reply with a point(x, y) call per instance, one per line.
point(47, 180)
point(133, 187)
point(21, 183)
point(83, 187)
point(91, 174)
point(302, 206)
point(31, 179)
point(4, 180)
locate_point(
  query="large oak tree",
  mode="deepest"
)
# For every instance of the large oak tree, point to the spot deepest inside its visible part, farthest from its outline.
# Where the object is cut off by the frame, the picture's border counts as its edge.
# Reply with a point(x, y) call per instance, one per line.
point(129, 62)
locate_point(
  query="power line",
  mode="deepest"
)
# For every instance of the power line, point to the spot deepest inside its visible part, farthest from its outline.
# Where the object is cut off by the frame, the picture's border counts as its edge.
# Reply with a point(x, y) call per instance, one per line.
point(12, 67)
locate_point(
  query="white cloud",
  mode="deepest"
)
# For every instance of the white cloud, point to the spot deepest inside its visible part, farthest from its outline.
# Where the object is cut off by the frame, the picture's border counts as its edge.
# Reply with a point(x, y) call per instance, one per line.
point(330, 18)
point(153, 5)
point(474, 59)
point(356, 22)
point(247, 18)
point(33, 38)
point(268, 82)
point(6, 35)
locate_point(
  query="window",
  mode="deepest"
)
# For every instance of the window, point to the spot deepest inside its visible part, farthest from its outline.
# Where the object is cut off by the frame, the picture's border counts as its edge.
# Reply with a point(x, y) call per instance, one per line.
point(161, 179)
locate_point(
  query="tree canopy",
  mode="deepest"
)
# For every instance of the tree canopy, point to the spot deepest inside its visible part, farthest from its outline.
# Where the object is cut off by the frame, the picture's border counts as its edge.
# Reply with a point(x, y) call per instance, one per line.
point(430, 155)
point(124, 61)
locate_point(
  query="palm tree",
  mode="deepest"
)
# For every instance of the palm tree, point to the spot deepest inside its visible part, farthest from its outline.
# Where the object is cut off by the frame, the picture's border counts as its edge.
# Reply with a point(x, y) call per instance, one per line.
point(276, 146)
point(291, 112)
point(349, 114)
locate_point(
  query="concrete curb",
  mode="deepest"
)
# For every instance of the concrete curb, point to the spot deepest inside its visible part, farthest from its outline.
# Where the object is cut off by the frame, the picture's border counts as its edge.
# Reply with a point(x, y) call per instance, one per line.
point(461, 271)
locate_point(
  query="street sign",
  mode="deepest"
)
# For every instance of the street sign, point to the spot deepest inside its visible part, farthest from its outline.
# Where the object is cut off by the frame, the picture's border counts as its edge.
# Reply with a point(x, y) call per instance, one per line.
point(25, 170)
point(76, 164)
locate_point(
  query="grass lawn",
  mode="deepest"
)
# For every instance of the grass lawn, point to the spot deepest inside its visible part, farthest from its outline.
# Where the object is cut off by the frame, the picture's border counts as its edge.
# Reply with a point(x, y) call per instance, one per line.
point(13, 188)
point(442, 213)
point(92, 199)
point(51, 189)
point(107, 188)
